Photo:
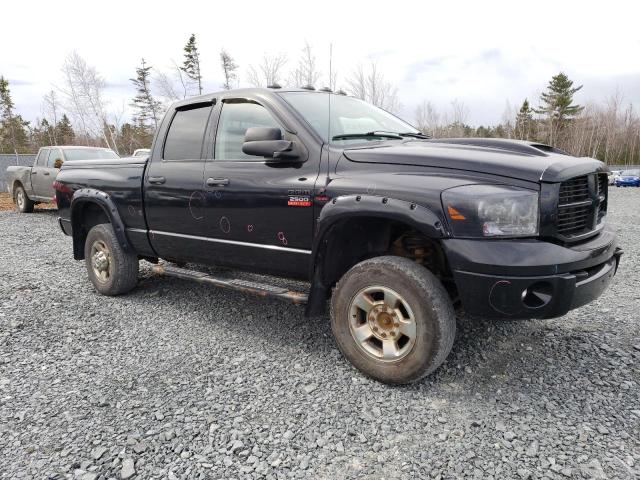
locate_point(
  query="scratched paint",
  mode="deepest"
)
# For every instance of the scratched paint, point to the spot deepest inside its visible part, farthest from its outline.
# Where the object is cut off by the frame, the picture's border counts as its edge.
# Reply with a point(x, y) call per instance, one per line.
point(225, 225)
point(196, 204)
point(282, 238)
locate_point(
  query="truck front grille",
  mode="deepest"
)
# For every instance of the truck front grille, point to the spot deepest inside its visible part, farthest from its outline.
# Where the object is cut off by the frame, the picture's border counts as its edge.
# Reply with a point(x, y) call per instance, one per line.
point(582, 205)
point(603, 193)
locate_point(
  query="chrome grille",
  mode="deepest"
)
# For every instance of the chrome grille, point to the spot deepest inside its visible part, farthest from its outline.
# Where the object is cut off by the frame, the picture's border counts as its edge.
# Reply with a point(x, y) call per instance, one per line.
point(582, 205)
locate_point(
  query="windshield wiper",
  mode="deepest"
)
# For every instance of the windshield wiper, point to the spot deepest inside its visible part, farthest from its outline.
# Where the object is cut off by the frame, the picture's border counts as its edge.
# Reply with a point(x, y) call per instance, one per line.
point(415, 135)
point(346, 136)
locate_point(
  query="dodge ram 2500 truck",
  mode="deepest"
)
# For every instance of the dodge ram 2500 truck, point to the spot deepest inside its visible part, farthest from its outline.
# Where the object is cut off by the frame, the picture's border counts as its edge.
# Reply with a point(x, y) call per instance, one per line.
point(29, 186)
point(393, 227)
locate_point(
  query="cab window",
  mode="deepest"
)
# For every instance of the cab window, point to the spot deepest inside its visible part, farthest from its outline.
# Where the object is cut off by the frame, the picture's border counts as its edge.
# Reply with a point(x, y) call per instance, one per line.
point(184, 139)
point(54, 154)
point(235, 119)
point(41, 159)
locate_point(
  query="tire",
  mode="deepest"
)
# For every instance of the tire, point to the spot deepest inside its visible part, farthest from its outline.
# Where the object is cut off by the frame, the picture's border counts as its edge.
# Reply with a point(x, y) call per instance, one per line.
point(418, 295)
point(111, 270)
point(23, 203)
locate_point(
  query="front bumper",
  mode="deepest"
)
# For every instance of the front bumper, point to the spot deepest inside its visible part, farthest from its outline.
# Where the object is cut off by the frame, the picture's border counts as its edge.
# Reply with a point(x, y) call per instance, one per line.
point(531, 278)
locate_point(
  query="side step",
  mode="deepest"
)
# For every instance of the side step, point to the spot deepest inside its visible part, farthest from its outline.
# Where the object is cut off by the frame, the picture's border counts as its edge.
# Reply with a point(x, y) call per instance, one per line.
point(261, 289)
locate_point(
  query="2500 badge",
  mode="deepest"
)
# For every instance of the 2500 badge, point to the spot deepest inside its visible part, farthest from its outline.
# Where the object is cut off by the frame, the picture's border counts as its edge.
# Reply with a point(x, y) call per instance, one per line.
point(299, 198)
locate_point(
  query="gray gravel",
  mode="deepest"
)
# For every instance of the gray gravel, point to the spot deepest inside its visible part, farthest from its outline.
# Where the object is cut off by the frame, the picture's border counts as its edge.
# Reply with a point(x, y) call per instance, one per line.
point(178, 380)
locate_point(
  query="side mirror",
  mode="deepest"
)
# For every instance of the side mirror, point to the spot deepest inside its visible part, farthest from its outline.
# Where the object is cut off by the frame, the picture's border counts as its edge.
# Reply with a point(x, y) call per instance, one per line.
point(58, 163)
point(268, 142)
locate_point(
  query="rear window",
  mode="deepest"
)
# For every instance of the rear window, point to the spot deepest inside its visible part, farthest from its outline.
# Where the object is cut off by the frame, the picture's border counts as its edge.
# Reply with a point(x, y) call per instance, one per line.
point(54, 155)
point(186, 133)
point(89, 154)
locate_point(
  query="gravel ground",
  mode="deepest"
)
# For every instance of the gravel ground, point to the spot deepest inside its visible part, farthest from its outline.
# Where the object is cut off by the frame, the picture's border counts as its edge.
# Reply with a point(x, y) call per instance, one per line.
point(6, 203)
point(178, 380)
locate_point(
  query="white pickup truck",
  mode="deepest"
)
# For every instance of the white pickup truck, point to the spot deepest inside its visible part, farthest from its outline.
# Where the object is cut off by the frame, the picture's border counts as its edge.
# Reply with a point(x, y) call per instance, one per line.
point(31, 185)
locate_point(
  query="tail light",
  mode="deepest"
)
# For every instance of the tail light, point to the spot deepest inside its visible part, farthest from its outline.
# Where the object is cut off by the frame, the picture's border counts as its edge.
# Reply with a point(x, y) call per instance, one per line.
point(61, 187)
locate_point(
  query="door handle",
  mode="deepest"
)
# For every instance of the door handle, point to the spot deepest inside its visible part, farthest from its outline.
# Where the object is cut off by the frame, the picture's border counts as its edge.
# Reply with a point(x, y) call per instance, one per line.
point(33, 173)
point(217, 182)
point(157, 180)
point(46, 173)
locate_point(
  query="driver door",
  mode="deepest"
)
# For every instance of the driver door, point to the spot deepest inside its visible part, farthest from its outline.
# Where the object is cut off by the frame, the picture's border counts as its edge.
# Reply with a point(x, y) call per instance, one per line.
point(45, 174)
point(259, 213)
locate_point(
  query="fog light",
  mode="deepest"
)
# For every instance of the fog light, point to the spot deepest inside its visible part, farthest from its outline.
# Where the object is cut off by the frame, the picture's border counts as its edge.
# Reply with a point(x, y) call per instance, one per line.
point(537, 295)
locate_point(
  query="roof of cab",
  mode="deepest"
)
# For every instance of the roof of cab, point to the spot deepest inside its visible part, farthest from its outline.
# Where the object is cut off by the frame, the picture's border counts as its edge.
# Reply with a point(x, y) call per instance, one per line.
point(67, 147)
point(209, 97)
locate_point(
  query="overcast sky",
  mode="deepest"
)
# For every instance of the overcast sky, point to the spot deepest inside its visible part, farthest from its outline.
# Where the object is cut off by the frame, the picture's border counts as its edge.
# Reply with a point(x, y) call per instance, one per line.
point(486, 54)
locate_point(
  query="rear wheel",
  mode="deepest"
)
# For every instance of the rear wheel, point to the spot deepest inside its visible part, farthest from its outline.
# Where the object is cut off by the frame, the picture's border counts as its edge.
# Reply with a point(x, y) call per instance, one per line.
point(112, 270)
point(22, 201)
point(392, 319)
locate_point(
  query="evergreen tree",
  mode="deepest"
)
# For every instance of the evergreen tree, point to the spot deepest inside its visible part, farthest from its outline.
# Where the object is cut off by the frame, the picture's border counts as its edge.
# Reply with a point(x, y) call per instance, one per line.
point(524, 122)
point(229, 68)
point(64, 131)
point(147, 107)
point(13, 133)
point(191, 64)
point(557, 106)
point(43, 134)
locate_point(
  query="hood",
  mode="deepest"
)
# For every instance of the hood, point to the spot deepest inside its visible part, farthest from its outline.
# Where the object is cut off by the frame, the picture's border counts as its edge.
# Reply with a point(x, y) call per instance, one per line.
point(508, 158)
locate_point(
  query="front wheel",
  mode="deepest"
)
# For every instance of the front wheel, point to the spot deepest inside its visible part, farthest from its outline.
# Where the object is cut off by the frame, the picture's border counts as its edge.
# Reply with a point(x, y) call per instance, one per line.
point(392, 319)
point(22, 201)
point(112, 270)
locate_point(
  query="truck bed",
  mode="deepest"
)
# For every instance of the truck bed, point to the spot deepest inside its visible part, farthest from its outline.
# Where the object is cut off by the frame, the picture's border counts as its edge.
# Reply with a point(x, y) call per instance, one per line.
point(21, 174)
point(122, 180)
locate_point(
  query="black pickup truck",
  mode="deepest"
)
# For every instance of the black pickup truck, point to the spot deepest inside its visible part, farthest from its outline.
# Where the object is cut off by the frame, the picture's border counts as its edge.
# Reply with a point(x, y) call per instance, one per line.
point(394, 227)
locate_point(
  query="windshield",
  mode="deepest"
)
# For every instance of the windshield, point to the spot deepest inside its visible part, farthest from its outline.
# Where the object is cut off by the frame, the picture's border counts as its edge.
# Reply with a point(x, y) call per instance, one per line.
point(630, 173)
point(348, 116)
point(89, 154)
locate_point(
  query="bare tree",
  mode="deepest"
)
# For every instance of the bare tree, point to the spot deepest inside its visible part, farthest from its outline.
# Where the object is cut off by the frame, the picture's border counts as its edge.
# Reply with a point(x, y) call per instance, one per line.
point(371, 86)
point(83, 92)
point(427, 119)
point(166, 87)
point(306, 72)
point(229, 67)
point(51, 112)
point(333, 80)
point(172, 86)
point(508, 116)
point(268, 72)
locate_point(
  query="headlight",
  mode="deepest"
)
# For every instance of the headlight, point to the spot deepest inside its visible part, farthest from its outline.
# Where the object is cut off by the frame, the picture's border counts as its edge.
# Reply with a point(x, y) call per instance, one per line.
point(491, 211)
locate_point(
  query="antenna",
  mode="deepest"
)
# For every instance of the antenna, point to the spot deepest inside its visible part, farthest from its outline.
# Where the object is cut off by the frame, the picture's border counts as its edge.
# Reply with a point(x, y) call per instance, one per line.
point(326, 183)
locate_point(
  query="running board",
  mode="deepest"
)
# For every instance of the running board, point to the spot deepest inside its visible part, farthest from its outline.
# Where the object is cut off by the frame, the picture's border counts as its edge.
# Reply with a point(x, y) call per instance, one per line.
point(261, 289)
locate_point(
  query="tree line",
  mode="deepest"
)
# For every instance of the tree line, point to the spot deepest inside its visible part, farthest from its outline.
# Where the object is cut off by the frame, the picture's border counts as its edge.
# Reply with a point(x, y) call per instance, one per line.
point(77, 112)
point(609, 132)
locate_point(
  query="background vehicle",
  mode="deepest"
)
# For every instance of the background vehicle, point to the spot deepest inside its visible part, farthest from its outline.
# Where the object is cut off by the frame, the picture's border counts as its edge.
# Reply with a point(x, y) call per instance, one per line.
point(394, 228)
point(31, 185)
point(611, 177)
point(628, 178)
point(141, 152)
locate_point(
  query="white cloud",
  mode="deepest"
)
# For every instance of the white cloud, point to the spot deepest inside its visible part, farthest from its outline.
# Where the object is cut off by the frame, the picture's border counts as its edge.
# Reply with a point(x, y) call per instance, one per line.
point(483, 53)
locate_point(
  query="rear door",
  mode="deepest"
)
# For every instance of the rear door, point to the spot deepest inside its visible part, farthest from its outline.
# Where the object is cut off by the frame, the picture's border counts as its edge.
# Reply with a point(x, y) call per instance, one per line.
point(42, 180)
point(173, 187)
